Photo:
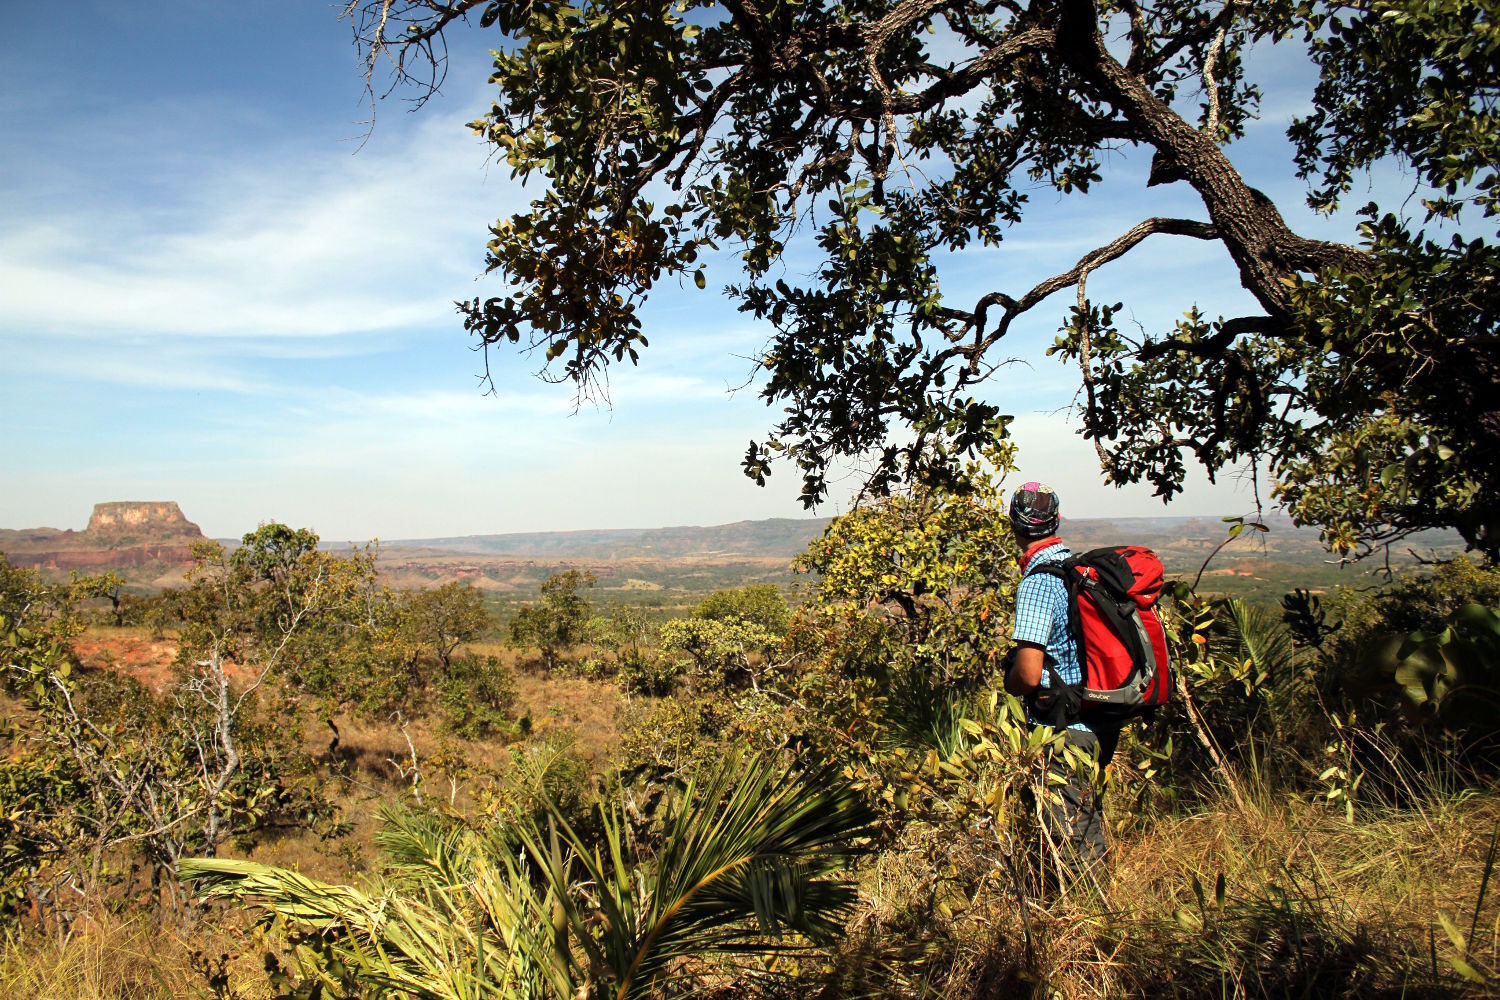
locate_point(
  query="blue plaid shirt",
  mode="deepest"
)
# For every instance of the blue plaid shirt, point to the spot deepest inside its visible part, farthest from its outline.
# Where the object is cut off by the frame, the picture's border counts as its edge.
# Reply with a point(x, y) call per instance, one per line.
point(1042, 618)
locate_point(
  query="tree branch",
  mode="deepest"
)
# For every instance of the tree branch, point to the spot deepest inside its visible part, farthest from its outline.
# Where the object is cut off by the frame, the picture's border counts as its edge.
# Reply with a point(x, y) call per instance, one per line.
point(1259, 241)
point(1086, 364)
point(1216, 345)
point(1089, 262)
point(1210, 59)
point(963, 80)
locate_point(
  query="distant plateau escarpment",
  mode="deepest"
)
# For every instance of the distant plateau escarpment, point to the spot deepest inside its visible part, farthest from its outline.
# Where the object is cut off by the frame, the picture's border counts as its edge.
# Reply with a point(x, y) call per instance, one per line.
point(120, 535)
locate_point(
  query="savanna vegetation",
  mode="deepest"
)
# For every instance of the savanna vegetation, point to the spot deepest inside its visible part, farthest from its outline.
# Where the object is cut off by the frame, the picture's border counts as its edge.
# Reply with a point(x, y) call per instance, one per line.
point(831, 798)
point(349, 791)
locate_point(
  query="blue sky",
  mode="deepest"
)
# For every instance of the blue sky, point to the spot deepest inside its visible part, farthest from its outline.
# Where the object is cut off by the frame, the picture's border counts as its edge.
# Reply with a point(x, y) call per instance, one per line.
point(211, 293)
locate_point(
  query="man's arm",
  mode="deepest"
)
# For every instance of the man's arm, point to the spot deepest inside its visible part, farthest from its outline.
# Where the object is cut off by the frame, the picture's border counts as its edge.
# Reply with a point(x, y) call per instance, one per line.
point(1025, 673)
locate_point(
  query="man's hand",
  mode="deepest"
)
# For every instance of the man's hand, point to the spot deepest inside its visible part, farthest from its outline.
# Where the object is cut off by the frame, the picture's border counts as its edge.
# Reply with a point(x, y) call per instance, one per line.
point(1024, 663)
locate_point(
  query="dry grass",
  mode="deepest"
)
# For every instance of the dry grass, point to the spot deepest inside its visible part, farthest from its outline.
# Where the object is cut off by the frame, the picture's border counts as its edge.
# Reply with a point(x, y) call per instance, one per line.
point(585, 709)
point(1312, 906)
point(112, 958)
point(367, 767)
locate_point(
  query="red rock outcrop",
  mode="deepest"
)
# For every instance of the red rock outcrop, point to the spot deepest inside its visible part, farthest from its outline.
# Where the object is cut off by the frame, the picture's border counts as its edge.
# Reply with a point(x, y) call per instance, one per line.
point(156, 519)
point(120, 535)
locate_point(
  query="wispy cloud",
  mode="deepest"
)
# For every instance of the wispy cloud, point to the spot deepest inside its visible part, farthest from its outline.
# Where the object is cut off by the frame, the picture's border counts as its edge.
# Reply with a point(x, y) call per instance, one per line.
point(435, 406)
point(128, 362)
point(286, 243)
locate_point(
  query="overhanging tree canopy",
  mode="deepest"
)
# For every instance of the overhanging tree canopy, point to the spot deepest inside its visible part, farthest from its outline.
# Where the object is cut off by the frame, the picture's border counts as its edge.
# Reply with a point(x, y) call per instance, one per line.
point(895, 131)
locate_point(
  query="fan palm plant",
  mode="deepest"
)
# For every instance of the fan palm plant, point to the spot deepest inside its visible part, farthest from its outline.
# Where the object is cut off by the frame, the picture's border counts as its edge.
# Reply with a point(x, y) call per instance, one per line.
point(1267, 661)
point(750, 863)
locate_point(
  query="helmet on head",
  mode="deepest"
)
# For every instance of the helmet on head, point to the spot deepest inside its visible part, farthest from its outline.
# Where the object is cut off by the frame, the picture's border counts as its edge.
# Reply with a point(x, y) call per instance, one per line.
point(1034, 511)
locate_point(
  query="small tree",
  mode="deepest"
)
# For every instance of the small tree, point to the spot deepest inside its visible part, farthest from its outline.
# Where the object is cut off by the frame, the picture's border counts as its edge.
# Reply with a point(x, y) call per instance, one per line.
point(360, 653)
point(559, 619)
point(724, 650)
point(242, 612)
point(37, 625)
point(106, 767)
point(110, 586)
point(446, 617)
point(622, 629)
point(759, 604)
point(910, 615)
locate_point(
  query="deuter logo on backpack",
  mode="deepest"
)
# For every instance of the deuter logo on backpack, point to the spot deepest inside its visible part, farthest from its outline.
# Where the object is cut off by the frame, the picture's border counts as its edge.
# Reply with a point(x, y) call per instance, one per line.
point(1122, 646)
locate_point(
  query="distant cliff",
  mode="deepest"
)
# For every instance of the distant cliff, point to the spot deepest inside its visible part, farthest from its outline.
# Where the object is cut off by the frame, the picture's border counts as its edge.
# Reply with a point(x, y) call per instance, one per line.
point(126, 522)
point(778, 537)
point(120, 535)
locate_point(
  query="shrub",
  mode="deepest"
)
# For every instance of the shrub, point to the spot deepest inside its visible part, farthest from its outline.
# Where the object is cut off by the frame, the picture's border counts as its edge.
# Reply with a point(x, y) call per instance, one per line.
point(671, 740)
point(760, 604)
point(477, 696)
point(726, 652)
point(1423, 653)
point(756, 863)
point(908, 620)
point(559, 619)
point(648, 673)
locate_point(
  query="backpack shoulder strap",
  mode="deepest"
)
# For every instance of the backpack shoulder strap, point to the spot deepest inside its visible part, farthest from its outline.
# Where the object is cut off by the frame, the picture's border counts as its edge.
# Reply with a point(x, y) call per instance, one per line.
point(1064, 572)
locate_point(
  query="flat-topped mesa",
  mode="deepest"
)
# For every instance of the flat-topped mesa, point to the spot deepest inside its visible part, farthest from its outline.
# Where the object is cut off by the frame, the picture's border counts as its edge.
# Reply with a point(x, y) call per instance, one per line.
point(121, 535)
point(141, 521)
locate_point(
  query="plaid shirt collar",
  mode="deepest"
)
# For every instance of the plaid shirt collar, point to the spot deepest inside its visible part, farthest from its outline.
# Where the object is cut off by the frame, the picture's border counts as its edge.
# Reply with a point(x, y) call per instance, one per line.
point(1036, 549)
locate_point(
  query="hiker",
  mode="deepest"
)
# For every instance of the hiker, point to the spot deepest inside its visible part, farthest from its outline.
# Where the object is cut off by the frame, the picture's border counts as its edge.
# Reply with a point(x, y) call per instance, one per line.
point(1046, 651)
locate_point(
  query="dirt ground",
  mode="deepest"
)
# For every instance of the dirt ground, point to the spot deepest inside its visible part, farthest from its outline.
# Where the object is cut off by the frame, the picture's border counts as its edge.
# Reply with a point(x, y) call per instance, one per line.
point(129, 651)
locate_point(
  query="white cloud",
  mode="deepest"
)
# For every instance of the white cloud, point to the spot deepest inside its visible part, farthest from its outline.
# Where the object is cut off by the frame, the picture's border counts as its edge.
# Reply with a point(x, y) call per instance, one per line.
point(127, 362)
point(277, 243)
point(231, 269)
point(438, 406)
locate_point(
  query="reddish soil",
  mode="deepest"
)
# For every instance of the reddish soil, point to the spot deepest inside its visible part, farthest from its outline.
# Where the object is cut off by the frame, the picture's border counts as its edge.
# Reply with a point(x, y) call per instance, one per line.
point(146, 659)
point(135, 652)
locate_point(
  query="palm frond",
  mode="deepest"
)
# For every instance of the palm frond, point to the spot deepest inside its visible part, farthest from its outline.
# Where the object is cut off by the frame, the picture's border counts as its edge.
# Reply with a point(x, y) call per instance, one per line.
point(1259, 636)
point(1263, 638)
point(289, 893)
point(744, 867)
point(391, 942)
point(419, 849)
point(751, 863)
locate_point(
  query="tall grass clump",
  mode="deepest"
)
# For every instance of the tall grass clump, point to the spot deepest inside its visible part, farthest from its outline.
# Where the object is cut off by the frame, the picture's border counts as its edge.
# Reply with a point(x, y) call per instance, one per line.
point(105, 957)
point(1284, 899)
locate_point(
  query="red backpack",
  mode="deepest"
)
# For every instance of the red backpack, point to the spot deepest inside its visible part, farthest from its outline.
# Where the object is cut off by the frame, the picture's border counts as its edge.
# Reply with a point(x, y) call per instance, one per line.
point(1122, 646)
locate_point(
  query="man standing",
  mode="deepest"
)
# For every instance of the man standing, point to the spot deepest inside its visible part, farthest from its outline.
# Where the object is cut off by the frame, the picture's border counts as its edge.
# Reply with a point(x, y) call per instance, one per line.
point(1047, 656)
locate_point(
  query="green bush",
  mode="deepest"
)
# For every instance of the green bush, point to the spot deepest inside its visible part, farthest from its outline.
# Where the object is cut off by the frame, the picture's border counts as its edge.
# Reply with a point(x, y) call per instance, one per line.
point(673, 739)
point(648, 673)
point(477, 696)
point(1423, 651)
point(726, 652)
point(545, 776)
point(760, 604)
point(559, 619)
point(1412, 603)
